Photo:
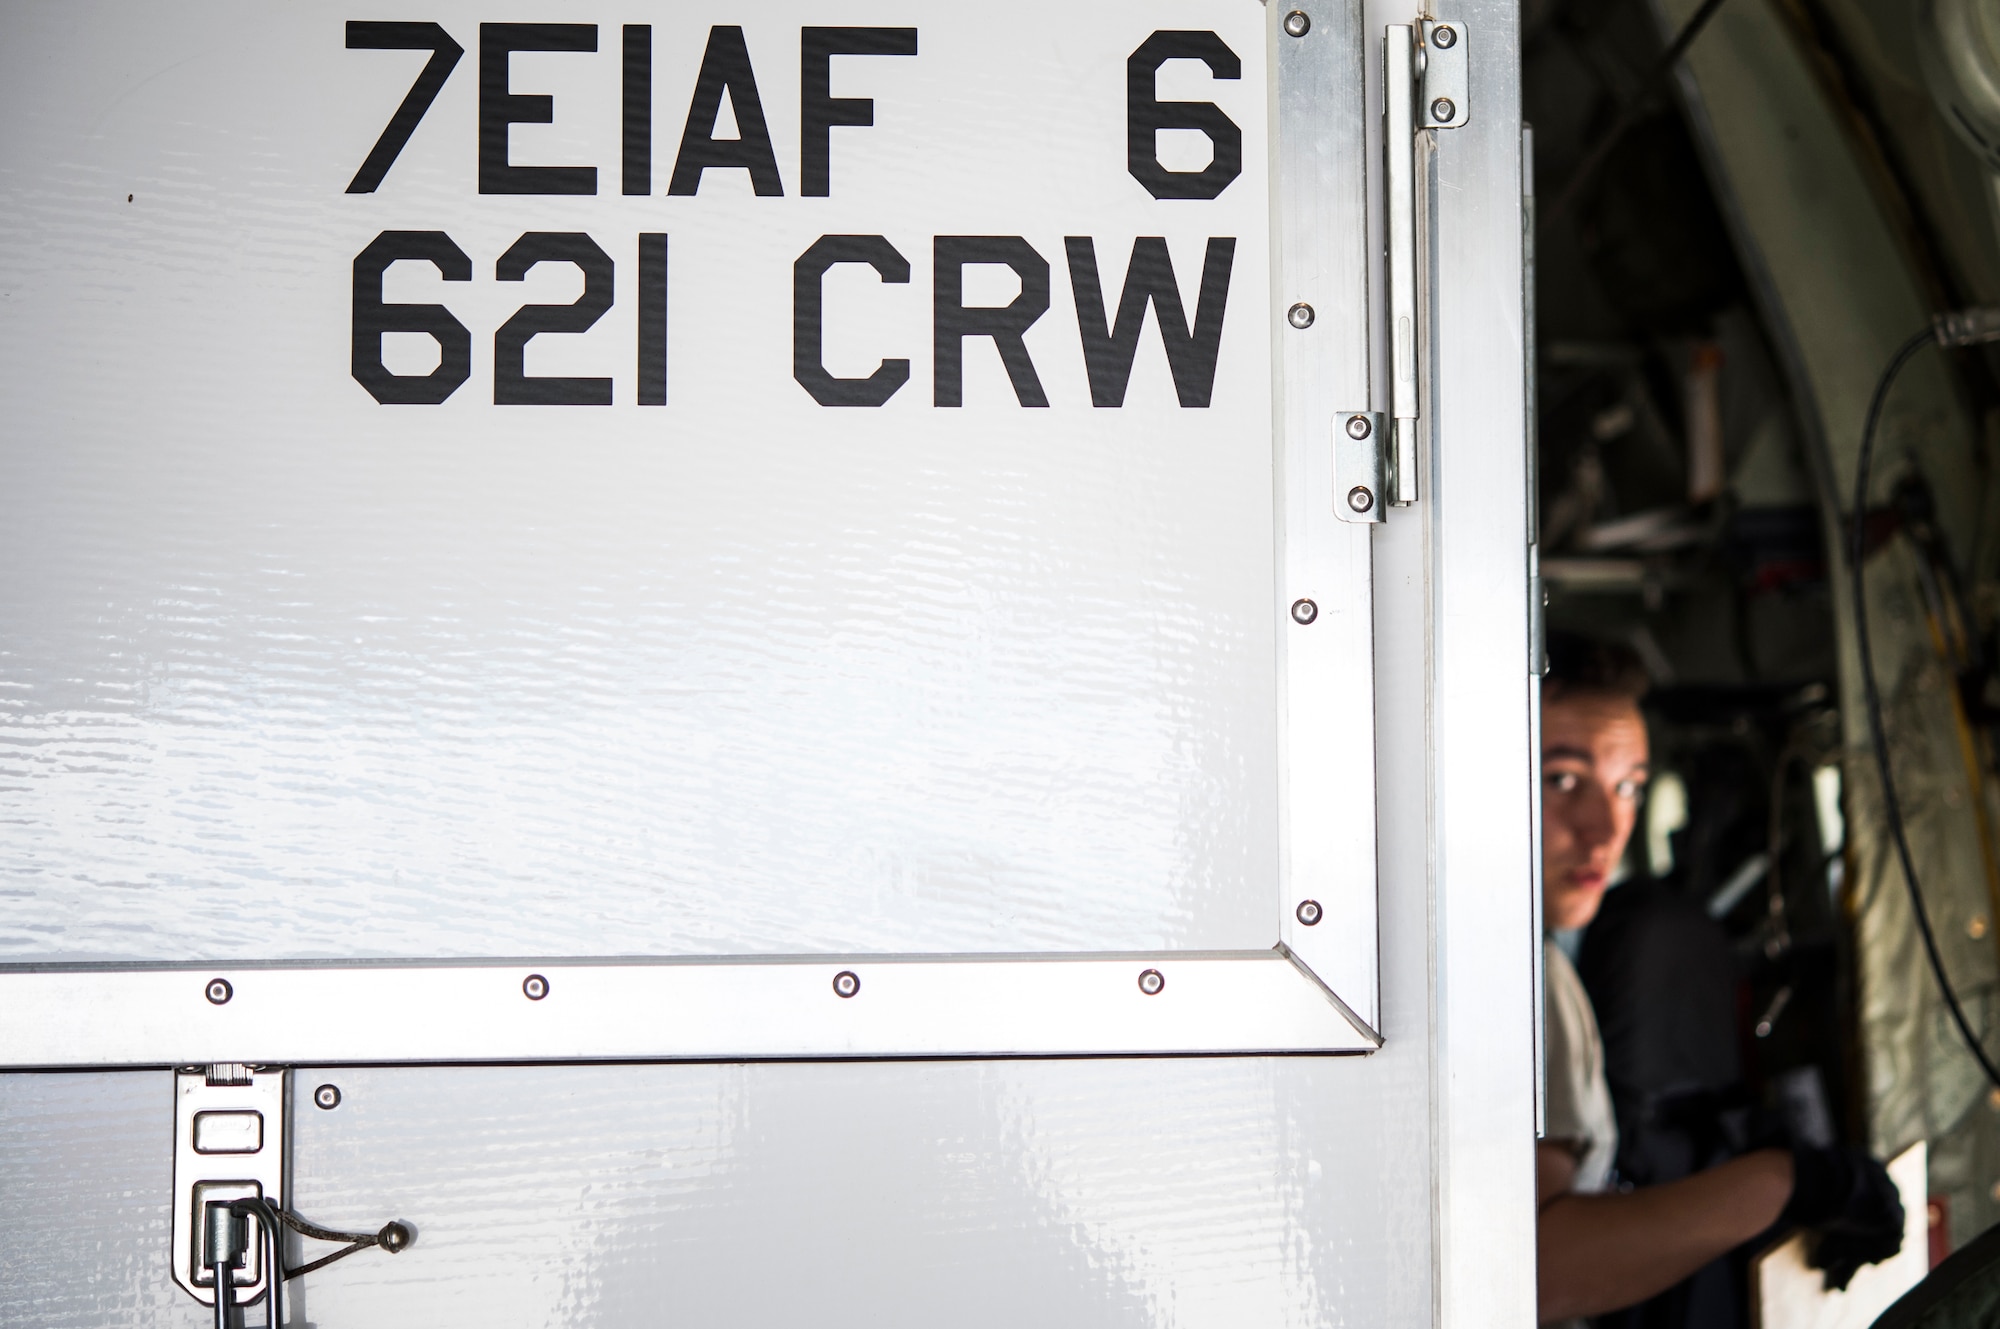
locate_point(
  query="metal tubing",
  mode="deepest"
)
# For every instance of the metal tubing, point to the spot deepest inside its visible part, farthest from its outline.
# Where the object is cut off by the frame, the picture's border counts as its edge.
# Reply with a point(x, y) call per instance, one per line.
point(1400, 194)
point(222, 1252)
point(272, 1238)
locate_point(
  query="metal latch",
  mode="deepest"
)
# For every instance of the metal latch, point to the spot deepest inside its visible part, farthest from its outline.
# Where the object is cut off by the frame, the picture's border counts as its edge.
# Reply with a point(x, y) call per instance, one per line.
point(1424, 86)
point(229, 1144)
point(230, 1210)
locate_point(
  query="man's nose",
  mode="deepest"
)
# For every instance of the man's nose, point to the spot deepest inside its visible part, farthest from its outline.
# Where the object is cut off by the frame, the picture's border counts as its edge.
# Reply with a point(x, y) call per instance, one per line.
point(1591, 819)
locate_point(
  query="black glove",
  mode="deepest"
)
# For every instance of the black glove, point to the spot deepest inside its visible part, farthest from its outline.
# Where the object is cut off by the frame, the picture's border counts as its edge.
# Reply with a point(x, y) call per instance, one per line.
point(1848, 1198)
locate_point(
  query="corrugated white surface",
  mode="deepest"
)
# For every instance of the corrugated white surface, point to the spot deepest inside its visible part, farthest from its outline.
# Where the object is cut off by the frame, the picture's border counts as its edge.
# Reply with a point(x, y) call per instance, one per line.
point(289, 673)
point(1202, 1192)
point(1207, 1194)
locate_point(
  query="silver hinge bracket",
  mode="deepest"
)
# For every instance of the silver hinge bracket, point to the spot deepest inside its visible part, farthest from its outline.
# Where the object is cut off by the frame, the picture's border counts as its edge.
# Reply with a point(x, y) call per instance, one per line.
point(1360, 479)
point(229, 1144)
point(1424, 86)
point(1443, 99)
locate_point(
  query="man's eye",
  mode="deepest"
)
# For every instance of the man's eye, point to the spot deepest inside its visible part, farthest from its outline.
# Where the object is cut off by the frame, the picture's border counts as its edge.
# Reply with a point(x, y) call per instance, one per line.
point(1562, 782)
point(1630, 788)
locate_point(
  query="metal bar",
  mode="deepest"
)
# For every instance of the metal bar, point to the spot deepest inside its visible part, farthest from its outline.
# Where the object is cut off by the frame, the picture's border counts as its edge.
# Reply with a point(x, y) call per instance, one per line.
point(273, 1236)
point(1481, 717)
point(569, 1010)
point(1398, 148)
point(1324, 607)
point(1537, 621)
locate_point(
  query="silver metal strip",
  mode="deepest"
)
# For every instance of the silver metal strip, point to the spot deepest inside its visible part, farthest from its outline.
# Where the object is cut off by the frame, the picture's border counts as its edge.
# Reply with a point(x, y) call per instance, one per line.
point(1537, 620)
point(489, 1011)
point(1481, 712)
point(580, 1010)
point(1398, 149)
point(1321, 259)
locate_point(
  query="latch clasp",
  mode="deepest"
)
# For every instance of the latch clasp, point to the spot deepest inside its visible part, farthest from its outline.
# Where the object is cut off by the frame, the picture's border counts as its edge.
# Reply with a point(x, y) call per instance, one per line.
point(229, 1144)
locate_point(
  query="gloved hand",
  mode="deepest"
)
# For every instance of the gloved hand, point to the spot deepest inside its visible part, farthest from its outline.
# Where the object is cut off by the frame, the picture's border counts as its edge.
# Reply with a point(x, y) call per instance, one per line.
point(1848, 1198)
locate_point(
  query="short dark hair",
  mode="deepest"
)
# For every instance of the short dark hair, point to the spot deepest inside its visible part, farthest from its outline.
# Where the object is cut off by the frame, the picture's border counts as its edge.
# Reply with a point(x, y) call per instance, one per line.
point(1581, 666)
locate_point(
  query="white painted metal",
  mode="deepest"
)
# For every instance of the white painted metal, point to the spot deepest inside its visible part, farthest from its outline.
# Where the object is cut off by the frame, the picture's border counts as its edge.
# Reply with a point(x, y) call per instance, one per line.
point(743, 676)
point(1199, 1193)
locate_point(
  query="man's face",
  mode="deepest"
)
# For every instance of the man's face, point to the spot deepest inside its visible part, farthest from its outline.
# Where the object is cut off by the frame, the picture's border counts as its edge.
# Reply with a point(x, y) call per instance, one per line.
point(1593, 774)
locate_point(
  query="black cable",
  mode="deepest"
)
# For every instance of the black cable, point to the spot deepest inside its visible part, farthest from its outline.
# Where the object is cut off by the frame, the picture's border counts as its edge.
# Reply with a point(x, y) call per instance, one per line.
point(1952, 330)
point(393, 1237)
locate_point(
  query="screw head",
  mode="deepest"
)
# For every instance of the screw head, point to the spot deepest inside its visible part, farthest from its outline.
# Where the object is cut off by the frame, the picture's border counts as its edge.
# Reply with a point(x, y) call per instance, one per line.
point(218, 991)
point(1300, 316)
point(1304, 612)
point(1152, 982)
point(846, 983)
point(1309, 912)
point(1298, 23)
point(1442, 109)
point(1443, 37)
point(327, 1097)
point(1358, 427)
point(1360, 499)
point(535, 987)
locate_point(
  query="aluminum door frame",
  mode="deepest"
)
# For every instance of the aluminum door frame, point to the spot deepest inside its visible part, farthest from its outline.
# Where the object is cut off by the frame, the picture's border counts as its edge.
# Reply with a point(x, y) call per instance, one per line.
point(1482, 695)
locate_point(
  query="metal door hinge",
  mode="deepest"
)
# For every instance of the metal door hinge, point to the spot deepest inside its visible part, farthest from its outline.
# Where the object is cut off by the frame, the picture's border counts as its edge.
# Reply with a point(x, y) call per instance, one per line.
point(1424, 86)
point(1359, 466)
point(229, 1144)
point(1443, 101)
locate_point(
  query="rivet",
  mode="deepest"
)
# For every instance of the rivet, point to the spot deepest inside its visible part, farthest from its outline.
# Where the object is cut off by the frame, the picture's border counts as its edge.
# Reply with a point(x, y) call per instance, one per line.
point(846, 983)
point(1360, 499)
point(219, 990)
point(1975, 928)
point(1304, 612)
point(1993, 1099)
point(1442, 110)
point(1298, 23)
point(1300, 316)
point(1309, 912)
point(1443, 38)
point(327, 1097)
point(1358, 427)
point(394, 1237)
point(1152, 982)
point(535, 986)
